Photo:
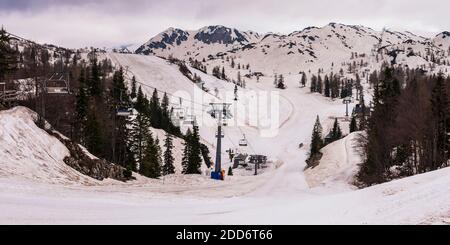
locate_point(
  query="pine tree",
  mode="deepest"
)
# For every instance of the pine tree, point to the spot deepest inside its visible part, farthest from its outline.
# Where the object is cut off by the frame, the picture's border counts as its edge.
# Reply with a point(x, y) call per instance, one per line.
point(205, 154)
point(377, 147)
point(319, 85)
point(313, 84)
point(192, 155)
point(140, 104)
point(155, 110)
point(224, 77)
point(145, 164)
point(334, 84)
point(94, 138)
point(166, 122)
point(151, 162)
point(139, 136)
point(121, 133)
point(81, 114)
point(316, 140)
point(336, 132)
point(95, 79)
point(8, 56)
point(440, 123)
point(119, 89)
point(195, 159)
point(362, 116)
point(157, 161)
point(187, 151)
point(303, 81)
point(133, 93)
point(81, 111)
point(327, 87)
point(168, 167)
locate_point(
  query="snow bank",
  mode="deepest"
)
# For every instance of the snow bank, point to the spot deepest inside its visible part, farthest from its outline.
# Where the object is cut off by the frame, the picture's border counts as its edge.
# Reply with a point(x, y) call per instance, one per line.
point(338, 165)
point(31, 153)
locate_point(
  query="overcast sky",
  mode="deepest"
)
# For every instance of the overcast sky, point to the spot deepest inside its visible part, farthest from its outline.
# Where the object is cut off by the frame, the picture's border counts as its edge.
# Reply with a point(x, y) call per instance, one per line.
point(109, 23)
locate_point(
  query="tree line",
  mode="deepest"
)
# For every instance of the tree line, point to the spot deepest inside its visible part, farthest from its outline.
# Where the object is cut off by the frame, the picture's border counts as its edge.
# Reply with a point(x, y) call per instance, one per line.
point(408, 130)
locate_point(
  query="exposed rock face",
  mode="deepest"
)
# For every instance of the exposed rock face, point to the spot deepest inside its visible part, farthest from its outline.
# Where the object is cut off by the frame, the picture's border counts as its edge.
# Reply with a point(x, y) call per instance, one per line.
point(169, 37)
point(220, 34)
point(95, 168)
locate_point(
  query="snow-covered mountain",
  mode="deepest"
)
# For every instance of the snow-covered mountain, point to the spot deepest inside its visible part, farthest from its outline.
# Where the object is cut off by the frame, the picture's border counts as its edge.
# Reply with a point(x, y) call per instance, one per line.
point(311, 48)
point(202, 43)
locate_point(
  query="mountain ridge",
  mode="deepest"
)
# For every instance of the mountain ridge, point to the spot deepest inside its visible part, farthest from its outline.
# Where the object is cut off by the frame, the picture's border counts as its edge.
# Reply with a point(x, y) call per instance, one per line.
point(310, 48)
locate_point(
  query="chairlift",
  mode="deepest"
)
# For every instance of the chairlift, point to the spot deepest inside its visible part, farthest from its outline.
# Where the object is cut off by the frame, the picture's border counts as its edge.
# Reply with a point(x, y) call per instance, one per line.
point(212, 113)
point(189, 120)
point(224, 122)
point(57, 84)
point(123, 110)
point(179, 113)
point(243, 142)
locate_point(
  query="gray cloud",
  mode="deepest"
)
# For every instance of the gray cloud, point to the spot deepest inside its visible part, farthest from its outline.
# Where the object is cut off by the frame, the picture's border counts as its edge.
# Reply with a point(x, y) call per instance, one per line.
point(75, 23)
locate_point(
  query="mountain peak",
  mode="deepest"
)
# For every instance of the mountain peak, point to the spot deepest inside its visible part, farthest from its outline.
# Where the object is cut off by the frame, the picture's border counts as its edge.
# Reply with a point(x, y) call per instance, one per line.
point(444, 34)
point(220, 34)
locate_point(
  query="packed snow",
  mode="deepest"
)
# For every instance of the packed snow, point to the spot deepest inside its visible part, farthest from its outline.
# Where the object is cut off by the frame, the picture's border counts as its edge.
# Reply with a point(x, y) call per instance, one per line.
point(339, 164)
point(29, 152)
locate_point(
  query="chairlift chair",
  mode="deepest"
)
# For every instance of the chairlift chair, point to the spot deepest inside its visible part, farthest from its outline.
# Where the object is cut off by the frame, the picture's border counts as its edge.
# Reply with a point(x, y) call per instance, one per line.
point(124, 109)
point(57, 84)
point(243, 142)
point(124, 112)
point(180, 113)
point(224, 123)
point(189, 120)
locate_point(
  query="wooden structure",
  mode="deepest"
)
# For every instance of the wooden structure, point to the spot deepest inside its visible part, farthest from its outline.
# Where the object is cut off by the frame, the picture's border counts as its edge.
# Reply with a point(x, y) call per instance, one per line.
point(7, 97)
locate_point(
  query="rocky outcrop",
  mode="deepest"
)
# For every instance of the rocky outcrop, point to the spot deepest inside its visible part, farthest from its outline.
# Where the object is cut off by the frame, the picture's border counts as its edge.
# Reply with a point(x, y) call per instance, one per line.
point(220, 34)
point(89, 165)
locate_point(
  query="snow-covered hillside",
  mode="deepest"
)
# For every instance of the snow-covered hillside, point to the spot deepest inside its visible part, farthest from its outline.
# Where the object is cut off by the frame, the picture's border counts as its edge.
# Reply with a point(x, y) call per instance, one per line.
point(31, 153)
point(329, 47)
point(338, 166)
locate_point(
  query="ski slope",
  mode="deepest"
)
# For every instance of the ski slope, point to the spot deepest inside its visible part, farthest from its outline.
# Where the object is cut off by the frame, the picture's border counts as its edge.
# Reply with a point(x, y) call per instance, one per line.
point(283, 194)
